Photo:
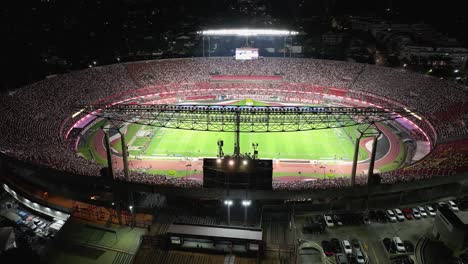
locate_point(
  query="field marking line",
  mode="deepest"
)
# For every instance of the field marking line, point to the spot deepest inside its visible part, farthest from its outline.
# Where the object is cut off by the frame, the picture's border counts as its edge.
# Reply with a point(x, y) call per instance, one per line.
point(375, 255)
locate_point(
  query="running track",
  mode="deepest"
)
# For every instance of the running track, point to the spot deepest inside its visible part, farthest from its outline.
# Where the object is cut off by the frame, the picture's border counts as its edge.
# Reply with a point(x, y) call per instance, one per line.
point(281, 167)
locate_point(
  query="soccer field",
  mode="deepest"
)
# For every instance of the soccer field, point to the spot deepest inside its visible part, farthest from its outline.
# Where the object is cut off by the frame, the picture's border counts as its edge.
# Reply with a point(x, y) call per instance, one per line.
point(311, 145)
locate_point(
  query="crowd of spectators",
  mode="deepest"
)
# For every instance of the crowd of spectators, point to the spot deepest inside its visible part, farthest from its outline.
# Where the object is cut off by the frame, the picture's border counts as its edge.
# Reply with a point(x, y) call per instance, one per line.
point(33, 117)
point(319, 183)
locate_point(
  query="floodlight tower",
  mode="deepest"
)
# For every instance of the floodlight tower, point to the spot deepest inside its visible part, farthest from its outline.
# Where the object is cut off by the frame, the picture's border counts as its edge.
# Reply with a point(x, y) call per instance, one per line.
point(110, 168)
point(369, 130)
point(237, 137)
point(127, 173)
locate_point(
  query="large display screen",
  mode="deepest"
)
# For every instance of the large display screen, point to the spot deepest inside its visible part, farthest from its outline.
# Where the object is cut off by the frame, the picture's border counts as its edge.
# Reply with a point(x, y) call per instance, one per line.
point(246, 54)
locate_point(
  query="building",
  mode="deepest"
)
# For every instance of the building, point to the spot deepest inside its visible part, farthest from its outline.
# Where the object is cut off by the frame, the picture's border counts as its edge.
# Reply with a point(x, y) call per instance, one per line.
point(454, 56)
point(332, 39)
point(215, 239)
point(451, 228)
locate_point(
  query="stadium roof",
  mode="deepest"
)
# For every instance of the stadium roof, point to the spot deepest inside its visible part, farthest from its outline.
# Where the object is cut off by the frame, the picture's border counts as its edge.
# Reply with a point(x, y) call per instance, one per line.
point(220, 232)
point(247, 32)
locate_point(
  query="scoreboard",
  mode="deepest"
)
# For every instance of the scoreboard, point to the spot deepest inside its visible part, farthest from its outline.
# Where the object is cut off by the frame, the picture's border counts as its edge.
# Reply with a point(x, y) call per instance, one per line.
point(235, 174)
point(246, 54)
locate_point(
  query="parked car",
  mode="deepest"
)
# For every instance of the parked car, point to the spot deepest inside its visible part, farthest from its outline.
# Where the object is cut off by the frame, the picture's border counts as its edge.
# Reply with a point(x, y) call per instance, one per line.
point(430, 210)
point(453, 206)
point(408, 213)
point(356, 245)
point(310, 226)
point(328, 221)
point(336, 245)
point(341, 259)
point(382, 217)
point(366, 220)
point(422, 211)
point(337, 220)
point(347, 247)
point(387, 243)
point(399, 214)
point(391, 216)
point(416, 213)
point(327, 248)
point(360, 257)
point(400, 247)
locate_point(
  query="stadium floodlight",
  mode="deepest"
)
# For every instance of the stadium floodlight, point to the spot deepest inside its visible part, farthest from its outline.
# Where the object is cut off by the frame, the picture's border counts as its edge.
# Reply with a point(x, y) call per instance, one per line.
point(247, 32)
point(246, 203)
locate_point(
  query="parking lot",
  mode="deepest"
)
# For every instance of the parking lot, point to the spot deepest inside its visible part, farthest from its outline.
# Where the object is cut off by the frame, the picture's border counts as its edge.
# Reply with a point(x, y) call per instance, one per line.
point(32, 230)
point(369, 232)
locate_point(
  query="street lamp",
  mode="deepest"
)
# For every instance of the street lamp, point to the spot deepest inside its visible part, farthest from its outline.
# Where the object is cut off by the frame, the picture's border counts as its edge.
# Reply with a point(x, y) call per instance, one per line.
point(229, 203)
point(231, 162)
point(246, 203)
point(245, 162)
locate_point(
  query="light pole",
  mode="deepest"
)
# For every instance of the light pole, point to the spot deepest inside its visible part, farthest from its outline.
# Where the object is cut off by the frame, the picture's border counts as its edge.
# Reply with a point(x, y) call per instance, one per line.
point(132, 215)
point(228, 203)
point(246, 203)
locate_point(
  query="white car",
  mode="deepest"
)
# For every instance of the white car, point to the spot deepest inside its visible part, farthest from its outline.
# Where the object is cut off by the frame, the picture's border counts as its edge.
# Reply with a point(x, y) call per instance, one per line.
point(399, 245)
point(416, 213)
point(399, 214)
point(431, 210)
point(391, 216)
point(347, 247)
point(453, 206)
point(360, 257)
point(328, 220)
point(422, 211)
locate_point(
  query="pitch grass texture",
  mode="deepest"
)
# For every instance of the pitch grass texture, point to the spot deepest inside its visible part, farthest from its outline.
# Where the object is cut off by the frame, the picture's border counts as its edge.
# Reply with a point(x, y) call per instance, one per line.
point(327, 144)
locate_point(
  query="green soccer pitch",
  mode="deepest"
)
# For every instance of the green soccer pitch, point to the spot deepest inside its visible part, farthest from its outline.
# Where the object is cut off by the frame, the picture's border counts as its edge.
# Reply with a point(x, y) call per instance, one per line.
point(327, 144)
point(311, 145)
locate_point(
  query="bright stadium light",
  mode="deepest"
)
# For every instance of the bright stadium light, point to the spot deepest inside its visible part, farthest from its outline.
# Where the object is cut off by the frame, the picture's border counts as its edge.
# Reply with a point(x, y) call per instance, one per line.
point(247, 32)
point(77, 113)
point(246, 202)
point(413, 114)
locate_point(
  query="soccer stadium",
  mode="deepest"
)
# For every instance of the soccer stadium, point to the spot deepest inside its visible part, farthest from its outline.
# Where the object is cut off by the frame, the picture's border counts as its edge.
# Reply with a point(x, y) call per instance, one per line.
point(53, 132)
point(108, 142)
point(234, 132)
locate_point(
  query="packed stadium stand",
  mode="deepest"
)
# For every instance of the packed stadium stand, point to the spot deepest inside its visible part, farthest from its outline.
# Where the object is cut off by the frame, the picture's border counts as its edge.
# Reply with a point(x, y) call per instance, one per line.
point(37, 120)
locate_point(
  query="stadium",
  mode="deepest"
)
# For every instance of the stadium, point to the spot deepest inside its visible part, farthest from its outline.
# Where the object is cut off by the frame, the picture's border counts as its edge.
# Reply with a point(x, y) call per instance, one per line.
point(51, 124)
